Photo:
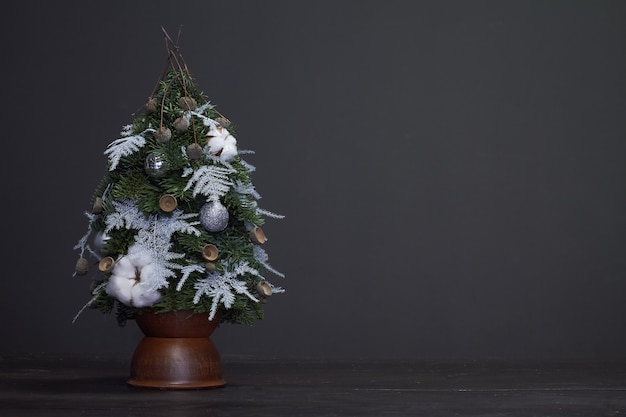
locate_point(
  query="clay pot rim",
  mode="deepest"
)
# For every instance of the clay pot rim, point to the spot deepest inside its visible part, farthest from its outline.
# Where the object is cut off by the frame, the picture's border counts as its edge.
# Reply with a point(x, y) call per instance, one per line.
point(176, 323)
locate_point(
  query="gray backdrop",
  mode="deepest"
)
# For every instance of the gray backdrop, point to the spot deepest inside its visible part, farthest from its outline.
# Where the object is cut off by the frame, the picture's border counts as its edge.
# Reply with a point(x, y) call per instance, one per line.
point(452, 172)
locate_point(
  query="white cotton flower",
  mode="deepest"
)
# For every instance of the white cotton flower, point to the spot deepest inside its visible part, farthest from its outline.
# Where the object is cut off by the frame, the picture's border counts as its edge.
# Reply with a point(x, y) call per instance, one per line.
point(120, 288)
point(222, 143)
point(129, 281)
point(229, 150)
point(216, 136)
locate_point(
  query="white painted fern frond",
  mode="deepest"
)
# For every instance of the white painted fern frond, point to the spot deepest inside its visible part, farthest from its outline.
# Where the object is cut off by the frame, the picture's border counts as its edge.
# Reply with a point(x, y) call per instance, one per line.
point(126, 215)
point(247, 189)
point(207, 121)
point(221, 288)
point(267, 213)
point(211, 181)
point(125, 146)
point(185, 272)
point(261, 256)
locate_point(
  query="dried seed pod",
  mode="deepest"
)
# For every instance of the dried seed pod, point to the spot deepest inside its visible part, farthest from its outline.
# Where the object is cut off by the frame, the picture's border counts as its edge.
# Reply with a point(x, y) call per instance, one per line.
point(187, 103)
point(210, 252)
point(97, 206)
point(163, 134)
point(194, 151)
point(257, 236)
point(106, 264)
point(224, 122)
point(181, 124)
point(82, 266)
point(168, 203)
point(151, 105)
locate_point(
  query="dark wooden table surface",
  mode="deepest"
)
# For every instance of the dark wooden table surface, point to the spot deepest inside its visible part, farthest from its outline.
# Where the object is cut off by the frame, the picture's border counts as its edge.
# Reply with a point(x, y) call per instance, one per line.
point(95, 386)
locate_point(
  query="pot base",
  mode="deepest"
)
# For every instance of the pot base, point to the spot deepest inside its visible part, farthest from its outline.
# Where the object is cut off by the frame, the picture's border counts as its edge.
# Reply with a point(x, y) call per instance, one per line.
point(182, 357)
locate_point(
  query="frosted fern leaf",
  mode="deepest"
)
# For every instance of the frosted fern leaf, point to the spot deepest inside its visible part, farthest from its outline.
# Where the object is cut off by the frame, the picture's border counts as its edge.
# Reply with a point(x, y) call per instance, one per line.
point(221, 288)
point(126, 215)
point(267, 213)
point(125, 146)
point(211, 181)
point(186, 271)
point(248, 189)
point(261, 256)
point(153, 240)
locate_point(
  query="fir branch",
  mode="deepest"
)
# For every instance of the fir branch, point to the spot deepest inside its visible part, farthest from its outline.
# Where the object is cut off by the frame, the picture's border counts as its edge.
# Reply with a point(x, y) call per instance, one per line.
point(206, 121)
point(135, 185)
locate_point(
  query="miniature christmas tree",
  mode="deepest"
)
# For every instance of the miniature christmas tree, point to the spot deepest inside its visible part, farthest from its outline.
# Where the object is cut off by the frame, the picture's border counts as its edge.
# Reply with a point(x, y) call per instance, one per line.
point(175, 222)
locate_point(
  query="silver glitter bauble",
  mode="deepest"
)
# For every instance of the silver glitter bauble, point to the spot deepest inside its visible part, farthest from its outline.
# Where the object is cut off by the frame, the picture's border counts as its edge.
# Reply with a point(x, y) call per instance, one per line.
point(99, 240)
point(156, 164)
point(214, 216)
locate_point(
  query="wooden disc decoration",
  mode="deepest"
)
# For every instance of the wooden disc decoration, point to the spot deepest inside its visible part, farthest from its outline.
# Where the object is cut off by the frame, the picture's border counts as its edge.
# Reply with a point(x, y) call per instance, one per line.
point(168, 203)
point(257, 236)
point(210, 252)
point(106, 264)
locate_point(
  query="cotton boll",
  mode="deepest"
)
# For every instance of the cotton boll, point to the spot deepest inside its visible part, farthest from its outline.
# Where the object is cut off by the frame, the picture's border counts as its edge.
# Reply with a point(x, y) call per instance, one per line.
point(124, 276)
point(124, 268)
point(143, 296)
point(120, 288)
point(139, 258)
point(229, 150)
point(216, 141)
point(146, 275)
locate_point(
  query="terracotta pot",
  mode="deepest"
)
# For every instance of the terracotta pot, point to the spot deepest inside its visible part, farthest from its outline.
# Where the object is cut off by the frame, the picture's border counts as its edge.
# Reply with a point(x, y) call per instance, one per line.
point(176, 352)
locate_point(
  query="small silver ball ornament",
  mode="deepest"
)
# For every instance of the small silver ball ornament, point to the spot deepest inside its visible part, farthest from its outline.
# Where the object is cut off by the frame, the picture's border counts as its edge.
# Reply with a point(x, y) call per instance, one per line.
point(214, 216)
point(156, 164)
point(99, 240)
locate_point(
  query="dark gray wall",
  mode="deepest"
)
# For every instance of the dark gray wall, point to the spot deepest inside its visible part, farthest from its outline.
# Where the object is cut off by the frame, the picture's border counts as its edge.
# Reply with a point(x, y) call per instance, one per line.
point(452, 172)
